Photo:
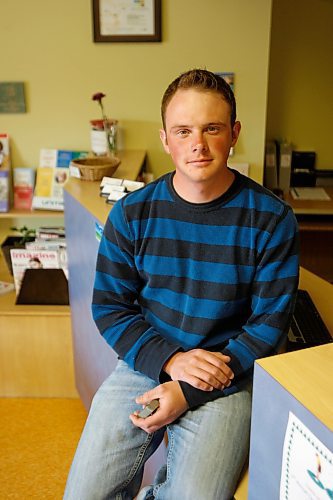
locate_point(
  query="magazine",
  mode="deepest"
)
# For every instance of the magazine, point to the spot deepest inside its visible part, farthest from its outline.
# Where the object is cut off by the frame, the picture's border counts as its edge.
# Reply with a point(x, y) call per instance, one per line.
point(23, 259)
point(51, 176)
point(50, 232)
point(23, 184)
point(57, 244)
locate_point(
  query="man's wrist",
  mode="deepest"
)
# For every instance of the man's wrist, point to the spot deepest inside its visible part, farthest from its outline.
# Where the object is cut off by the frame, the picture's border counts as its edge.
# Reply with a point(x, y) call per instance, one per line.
point(167, 367)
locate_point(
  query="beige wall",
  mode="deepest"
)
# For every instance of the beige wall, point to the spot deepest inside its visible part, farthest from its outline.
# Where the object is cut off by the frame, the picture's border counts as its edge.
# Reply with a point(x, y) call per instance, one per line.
point(48, 45)
point(301, 76)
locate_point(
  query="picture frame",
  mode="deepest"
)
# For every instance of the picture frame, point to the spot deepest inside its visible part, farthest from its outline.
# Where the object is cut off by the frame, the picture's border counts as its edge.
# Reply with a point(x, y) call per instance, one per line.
point(12, 97)
point(126, 20)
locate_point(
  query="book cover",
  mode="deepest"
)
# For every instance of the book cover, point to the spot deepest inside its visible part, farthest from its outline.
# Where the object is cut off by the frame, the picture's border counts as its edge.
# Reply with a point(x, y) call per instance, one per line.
point(4, 190)
point(57, 244)
point(52, 174)
point(4, 173)
point(4, 151)
point(23, 259)
point(48, 194)
point(23, 186)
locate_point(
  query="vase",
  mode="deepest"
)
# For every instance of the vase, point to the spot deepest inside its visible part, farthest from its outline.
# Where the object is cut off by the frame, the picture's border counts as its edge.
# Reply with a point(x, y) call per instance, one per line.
point(103, 136)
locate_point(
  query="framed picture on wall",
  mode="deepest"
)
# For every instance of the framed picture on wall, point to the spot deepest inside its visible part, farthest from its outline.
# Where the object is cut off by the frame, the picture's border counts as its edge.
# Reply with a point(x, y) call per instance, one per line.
point(127, 20)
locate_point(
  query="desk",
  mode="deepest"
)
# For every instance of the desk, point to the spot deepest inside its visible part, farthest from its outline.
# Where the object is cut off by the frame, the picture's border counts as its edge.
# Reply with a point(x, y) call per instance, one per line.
point(312, 207)
point(299, 382)
point(315, 218)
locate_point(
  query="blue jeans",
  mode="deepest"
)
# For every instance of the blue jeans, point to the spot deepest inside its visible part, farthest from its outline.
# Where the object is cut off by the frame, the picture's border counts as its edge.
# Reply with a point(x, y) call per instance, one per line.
point(207, 446)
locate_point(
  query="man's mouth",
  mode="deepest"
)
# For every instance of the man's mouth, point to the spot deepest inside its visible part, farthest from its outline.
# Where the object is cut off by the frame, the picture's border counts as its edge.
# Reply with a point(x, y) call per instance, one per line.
point(200, 161)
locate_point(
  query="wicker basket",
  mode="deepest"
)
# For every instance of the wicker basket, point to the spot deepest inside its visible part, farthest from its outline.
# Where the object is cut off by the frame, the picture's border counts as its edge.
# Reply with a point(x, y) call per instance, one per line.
point(94, 169)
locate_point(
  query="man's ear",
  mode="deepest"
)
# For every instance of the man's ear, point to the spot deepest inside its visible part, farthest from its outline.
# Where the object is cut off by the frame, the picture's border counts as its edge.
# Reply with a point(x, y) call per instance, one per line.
point(235, 132)
point(164, 140)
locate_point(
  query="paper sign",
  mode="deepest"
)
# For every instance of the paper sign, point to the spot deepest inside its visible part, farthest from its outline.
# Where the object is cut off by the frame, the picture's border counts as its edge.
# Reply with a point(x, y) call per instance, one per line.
point(307, 465)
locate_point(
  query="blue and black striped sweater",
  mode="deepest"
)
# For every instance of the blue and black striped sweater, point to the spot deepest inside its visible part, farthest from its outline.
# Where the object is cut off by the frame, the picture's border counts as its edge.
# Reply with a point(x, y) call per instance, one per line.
point(173, 275)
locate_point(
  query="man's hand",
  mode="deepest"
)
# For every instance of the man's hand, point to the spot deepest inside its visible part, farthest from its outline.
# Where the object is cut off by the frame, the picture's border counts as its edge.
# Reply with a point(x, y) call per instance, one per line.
point(202, 369)
point(172, 405)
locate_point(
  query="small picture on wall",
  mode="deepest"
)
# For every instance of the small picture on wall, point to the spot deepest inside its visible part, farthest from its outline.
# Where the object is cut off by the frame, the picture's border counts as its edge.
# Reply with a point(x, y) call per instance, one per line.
point(229, 78)
point(12, 99)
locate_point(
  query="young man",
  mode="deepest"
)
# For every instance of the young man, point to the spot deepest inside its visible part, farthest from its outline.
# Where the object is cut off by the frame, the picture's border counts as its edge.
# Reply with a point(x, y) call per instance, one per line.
point(196, 278)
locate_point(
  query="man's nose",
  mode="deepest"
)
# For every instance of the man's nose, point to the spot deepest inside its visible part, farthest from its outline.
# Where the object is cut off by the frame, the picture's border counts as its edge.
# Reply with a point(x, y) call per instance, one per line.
point(199, 142)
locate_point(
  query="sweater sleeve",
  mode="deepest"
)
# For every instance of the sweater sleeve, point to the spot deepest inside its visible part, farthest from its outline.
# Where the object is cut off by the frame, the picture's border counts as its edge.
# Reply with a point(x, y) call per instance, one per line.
point(114, 306)
point(272, 302)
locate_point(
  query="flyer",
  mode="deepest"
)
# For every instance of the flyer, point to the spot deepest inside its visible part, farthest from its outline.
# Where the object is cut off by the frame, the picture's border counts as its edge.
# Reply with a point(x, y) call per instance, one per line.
point(307, 465)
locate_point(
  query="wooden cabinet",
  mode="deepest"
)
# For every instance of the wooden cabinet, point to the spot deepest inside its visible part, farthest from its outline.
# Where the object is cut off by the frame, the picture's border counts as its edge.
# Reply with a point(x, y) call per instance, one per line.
point(36, 355)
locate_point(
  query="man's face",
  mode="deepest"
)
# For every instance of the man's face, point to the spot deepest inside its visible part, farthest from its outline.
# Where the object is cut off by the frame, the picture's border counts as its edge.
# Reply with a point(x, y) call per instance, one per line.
point(198, 135)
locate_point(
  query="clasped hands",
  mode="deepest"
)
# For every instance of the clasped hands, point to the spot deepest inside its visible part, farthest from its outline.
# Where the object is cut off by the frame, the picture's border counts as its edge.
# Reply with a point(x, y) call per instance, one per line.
point(202, 369)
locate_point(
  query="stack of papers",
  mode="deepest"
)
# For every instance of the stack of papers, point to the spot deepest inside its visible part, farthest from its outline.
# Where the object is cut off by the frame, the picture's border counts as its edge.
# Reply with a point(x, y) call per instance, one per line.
point(114, 189)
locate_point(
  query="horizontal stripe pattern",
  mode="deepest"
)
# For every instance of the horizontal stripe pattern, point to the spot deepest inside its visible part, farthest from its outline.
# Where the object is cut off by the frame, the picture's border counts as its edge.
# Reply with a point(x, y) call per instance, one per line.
point(174, 275)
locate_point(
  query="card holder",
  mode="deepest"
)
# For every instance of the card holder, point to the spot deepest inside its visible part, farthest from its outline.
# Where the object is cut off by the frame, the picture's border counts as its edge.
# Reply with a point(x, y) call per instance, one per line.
point(44, 287)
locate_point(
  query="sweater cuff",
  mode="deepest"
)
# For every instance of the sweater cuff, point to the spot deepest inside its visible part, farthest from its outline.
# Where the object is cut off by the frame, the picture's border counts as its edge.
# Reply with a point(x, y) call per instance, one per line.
point(234, 363)
point(152, 357)
point(196, 397)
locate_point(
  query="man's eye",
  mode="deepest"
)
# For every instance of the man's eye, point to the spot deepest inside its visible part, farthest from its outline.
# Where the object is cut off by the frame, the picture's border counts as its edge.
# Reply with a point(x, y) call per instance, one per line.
point(182, 132)
point(213, 129)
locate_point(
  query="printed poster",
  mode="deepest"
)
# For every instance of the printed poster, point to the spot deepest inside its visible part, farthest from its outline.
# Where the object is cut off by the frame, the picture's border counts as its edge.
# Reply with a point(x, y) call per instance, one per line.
point(307, 465)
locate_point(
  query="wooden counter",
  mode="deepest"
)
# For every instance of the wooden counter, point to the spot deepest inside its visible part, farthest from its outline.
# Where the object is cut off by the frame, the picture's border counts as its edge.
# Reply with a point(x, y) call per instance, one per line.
point(87, 192)
point(84, 209)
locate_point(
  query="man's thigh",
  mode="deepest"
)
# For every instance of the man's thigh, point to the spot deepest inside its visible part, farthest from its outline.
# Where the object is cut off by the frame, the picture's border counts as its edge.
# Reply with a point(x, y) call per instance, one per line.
point(112, 451)
point(207, 450)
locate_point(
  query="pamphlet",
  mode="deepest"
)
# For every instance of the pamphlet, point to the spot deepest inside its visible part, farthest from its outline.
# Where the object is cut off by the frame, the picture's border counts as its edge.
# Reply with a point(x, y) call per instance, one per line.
point(52, 174)
point(6, 287)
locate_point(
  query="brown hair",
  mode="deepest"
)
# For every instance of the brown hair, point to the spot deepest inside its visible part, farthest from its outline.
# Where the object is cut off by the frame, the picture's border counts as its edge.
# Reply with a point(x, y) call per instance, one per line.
point(204, 80)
